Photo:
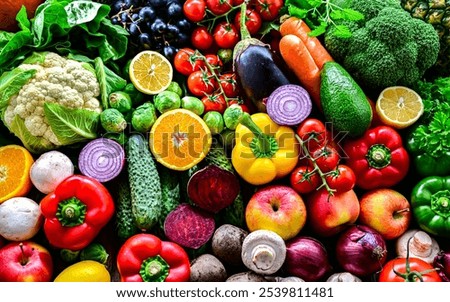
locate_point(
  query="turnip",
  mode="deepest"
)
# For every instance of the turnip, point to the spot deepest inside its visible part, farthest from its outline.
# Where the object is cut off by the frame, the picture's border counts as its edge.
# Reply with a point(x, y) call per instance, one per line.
point(20, 219)
point(49, 170)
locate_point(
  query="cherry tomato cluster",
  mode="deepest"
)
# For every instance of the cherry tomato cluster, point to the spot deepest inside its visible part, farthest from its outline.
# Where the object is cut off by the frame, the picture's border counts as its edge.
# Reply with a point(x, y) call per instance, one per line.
point(218, 21)
point(320, 162)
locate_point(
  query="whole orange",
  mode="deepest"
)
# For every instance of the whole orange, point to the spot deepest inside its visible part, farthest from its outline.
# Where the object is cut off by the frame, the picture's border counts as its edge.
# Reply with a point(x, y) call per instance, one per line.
point(9, 10)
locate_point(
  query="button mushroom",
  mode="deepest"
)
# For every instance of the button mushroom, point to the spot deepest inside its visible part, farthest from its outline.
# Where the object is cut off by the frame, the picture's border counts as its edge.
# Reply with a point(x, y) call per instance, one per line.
point(421, 245)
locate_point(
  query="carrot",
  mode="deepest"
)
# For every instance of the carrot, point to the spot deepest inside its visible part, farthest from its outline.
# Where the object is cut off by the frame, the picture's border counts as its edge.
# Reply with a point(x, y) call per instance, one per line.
point(302, 63)
point(296, 26)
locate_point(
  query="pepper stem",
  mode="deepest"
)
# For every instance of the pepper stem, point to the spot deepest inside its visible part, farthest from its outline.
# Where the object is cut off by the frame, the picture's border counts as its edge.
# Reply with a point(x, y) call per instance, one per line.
point(154, 269)
point(378, 156)
point(71, 212)
point(262, 145)
point(440, 203)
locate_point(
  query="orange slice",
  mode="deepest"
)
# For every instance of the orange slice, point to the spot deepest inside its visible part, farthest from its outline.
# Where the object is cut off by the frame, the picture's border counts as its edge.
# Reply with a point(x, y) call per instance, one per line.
point(180, 139)
point(150, 72)
point(399, 106)
point(15, 165)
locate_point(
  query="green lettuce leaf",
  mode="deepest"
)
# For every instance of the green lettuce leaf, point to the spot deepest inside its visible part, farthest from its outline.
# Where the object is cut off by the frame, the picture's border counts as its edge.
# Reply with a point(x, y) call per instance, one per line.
point(108, 80)
point(86, 12)
point(50, 22)
point(32, 143)
point(71, 125)
point(11, 82)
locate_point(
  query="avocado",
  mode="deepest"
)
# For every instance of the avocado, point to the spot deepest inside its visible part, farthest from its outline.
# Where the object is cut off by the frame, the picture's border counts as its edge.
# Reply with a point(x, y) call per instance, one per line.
point(344, 103)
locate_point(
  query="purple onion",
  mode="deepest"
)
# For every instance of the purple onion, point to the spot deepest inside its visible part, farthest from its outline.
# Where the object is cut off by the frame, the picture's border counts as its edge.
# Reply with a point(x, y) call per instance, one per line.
point(442, 263)
point(361, 250)
point(306, 258)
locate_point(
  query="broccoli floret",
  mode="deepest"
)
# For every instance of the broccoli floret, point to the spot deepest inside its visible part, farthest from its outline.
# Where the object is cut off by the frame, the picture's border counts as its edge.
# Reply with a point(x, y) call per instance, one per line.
point(371, 8)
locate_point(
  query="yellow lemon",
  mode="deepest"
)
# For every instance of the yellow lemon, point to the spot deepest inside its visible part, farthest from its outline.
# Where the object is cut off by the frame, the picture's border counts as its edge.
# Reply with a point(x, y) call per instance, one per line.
point(84, 271)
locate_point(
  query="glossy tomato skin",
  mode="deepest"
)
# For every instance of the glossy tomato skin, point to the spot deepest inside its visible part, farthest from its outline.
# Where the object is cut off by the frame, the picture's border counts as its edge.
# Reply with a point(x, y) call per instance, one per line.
point(201, 38)
point(303, 181)
point(229, 84)
point(185, 61)
point(219, 7)
point(214, 102)
point(313, 132)
point(200, 83)
point(327, 158)
point(214, 61)
point(268, 9)
point(387, 274)
point(341, 179)
point(194, 10)
point(225, 35)
point(253, 21)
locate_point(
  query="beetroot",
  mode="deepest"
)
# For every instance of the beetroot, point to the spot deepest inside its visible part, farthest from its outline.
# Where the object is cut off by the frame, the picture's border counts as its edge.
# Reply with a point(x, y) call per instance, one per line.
point(189, 226)
point(213, 188)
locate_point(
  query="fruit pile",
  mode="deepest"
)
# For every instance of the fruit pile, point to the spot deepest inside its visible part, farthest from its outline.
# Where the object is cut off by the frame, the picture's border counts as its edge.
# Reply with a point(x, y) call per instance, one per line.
point(225, 140)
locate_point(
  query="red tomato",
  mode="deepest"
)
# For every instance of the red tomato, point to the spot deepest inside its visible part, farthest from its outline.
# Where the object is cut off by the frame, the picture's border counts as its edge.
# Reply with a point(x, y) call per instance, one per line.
point(225, 34)
point(219, 7)
point(194, 10)
point(426, 270)
point(327, 158)
point(240, 103)
point(214, 61)
point(214, 102)
point(253, 21)
point(201, 38)
point(268, 9)
point(303, 180)
point(229, 84)
point(201, 82)
point(237, 2)
point(342, 179)
point(185, 61)
point(313, 132)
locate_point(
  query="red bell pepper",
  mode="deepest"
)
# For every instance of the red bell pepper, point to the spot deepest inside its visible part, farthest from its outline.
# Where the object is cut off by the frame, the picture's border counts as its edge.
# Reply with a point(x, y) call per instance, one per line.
point(146, 258)
point(378, 158)
point(76, 211)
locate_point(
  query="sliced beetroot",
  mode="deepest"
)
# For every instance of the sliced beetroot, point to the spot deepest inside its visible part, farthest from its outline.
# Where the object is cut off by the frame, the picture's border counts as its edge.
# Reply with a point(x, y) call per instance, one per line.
point(189, 226)
point(213, 188)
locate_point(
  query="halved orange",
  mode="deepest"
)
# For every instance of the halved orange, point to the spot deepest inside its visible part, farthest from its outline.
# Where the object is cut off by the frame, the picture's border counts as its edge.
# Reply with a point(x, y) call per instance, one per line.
point(180, 139)
point(15, 165)
point(150, 72)
point(399, 106)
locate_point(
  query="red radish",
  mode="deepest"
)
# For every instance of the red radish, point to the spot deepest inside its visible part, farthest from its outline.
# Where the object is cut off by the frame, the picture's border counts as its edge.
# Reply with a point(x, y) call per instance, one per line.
point(213, 188)
point(189, 226)
point(102, 159)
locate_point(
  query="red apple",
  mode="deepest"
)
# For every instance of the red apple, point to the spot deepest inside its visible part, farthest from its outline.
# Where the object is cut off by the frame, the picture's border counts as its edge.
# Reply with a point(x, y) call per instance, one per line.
point(276, 208)
point(331, 214)
point(25, 262)
point(386, 211)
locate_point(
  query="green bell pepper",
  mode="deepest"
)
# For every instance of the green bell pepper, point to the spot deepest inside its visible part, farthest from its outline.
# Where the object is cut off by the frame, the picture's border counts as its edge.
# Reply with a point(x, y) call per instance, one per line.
point(427, 164)
point(430, 203)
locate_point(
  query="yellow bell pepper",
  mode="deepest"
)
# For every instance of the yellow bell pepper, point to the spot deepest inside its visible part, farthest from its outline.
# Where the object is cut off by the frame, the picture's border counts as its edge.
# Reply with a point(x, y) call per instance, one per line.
point(264, 151)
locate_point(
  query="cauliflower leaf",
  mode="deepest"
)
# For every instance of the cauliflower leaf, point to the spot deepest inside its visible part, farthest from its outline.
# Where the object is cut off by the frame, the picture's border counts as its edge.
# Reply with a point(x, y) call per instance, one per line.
point(11, 82)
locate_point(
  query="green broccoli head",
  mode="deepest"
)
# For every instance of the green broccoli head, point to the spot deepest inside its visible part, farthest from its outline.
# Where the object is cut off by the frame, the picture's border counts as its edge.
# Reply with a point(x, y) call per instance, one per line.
point(371, 8)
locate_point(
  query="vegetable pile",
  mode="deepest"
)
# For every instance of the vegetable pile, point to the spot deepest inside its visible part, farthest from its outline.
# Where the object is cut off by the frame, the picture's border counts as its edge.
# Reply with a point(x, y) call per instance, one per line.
point(224, 141)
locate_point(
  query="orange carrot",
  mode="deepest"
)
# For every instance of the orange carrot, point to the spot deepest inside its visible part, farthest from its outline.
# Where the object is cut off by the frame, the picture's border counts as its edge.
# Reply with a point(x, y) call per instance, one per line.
point(302, 63)
point(296, 26)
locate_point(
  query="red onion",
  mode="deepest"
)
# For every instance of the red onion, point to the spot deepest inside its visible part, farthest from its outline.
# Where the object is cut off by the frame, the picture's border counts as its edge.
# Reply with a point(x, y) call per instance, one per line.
point(102, 159)
point(361, 250)
point(442, 262)
point(306, 258)
point(289, 105)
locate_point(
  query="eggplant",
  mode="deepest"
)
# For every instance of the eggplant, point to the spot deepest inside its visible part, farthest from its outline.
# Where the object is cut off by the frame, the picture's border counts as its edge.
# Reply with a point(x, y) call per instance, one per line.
point(257, 70)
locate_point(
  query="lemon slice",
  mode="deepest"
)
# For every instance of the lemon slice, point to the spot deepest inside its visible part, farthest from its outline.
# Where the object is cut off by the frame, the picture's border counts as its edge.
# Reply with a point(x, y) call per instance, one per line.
point(399, 107)
point(150, 72)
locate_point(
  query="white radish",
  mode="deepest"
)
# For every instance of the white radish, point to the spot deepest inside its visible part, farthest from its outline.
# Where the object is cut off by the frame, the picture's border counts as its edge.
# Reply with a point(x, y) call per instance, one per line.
point(20, 219)
point(49, 170)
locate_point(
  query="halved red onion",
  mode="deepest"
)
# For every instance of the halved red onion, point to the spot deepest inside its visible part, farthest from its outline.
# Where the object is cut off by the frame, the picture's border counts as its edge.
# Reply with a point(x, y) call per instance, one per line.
point(102, 159)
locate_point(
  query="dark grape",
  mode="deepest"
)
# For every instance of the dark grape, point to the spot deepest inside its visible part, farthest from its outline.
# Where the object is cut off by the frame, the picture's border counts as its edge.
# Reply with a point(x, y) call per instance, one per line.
point(182, 38)
point(174, 10)
point(144, 40)
point(134, 29)
point(115, 20)
point(169, 51)
point(135, 17)
point(173, 29)
point(158, 26)
point(116, 7)
point(147, 13)
point(124, 17)
point(156, 3)
point(130, 3)
point(183, 24)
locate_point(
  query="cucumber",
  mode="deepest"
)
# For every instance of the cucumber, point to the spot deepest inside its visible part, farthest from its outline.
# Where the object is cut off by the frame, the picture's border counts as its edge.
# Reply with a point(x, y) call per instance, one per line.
point(125, 224)
point(170, 191)
point(145, 184)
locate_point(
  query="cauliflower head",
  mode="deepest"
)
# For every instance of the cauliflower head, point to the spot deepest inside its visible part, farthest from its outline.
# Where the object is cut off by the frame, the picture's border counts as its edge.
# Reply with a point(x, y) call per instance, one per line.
point(48, 93)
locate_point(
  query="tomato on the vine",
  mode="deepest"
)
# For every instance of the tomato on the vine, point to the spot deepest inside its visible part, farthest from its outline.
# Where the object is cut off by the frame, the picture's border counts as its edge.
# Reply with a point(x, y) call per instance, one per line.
point(214, 102)
point(313, 132)
point(327, 158)
point(240, 103)
point(194, 10)
point(214, 61)
point(341, 179)
point(201, 38)
point(268, 9)
point(253, 21)
point(201, 82)
point(186, 61)
point(237, 2)
point(417, 269)
point(219, 7)
point(304, 180)
point(229, 84)
point(225, 35)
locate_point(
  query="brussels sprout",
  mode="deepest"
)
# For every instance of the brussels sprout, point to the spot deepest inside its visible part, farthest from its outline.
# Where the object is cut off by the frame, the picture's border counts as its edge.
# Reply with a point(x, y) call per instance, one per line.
point(137, 97)
point(112, 120)
point(225, 55)
point(193, 104)
point(232, 116)
point(143, 117)
point(121, 137)
point(69, 256)
point(175, 87)
point(214, 120)
point(96, 252)
point(167, 100)
point(120, 100)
